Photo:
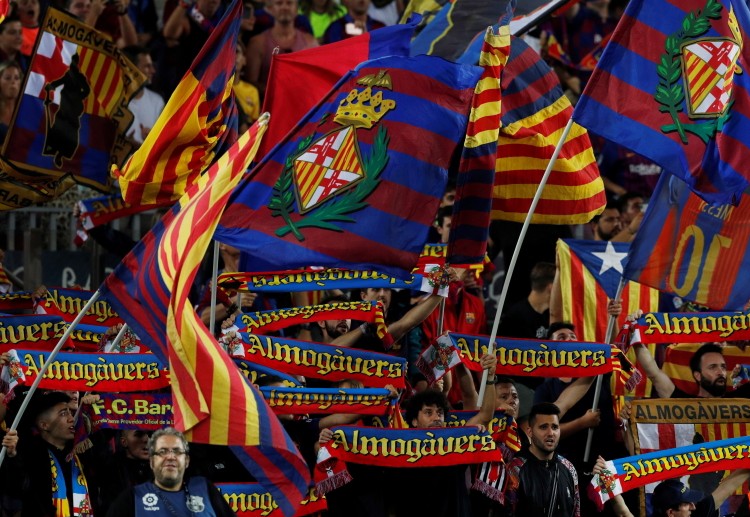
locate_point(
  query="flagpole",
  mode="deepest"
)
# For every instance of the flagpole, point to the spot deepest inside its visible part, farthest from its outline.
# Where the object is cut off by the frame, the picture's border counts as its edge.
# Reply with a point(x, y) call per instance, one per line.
point(120, 335)
point(43, 370)
point(214, 287)
point(517, 250)
point(600, 378)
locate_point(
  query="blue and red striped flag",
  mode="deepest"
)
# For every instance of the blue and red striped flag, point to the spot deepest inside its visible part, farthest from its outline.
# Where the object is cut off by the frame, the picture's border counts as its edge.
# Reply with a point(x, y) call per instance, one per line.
point(693, 249)
point(672, 86)
point(476, 173)
point(319, 69)
point(71, 118)
point(213, 402)
point(534, 114)
point(358, 183)
point(196, 126)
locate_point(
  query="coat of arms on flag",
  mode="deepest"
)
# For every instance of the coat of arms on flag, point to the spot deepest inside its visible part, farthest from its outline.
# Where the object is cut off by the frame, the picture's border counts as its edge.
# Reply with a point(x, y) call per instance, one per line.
point(333, 164)
point(708, 68)
point(438, 358)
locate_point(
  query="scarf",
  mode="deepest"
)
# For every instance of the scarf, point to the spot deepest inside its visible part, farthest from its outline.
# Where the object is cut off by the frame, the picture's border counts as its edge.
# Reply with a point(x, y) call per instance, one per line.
point(81, 502)
point(400, 448)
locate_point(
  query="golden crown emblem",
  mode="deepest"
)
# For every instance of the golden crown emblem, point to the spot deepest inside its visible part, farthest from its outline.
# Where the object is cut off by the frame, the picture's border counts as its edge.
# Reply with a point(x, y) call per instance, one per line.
point(362, 108)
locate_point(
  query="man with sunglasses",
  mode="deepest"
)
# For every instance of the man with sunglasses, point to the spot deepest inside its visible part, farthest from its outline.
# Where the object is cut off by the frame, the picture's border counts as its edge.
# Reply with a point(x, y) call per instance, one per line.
point(170, 494)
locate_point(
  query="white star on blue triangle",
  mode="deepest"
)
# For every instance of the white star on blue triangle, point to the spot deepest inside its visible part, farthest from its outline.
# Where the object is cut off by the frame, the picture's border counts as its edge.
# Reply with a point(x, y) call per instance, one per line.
point(610, 258)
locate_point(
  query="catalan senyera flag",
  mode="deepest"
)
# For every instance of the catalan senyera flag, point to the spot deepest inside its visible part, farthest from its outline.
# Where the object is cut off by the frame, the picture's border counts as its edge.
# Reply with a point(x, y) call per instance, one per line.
point(358, 182)
point(197, 124)
point(534, 114)
point(673, 86)
point(590, 272)
point(4, 8)
point(693, 249)
point(213, 402)
point(476, 172)
point(319, 69)
point(72, 115)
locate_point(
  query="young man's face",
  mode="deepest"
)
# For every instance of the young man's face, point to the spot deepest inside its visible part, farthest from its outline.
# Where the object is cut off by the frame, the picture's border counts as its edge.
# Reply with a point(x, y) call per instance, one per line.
point(544, 435)
point(57, 424)
point(135, 444)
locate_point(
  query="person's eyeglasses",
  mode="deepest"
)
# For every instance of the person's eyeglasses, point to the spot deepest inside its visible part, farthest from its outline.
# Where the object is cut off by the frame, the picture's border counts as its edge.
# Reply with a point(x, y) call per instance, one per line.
point(163, 453)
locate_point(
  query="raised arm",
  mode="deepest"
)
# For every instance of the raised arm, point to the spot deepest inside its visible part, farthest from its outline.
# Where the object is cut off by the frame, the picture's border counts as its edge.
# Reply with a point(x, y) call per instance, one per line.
point(661, 381)
point(484, 416)
point(729, 485)
point(414, 317)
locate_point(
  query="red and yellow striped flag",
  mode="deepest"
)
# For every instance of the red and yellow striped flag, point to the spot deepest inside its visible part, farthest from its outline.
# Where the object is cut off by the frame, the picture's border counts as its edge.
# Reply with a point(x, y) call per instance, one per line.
point(212, 400)
point(198, 123)
point(535, 112)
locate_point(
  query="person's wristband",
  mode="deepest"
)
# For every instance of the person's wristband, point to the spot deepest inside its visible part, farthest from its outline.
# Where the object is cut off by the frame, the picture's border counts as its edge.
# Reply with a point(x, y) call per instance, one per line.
point(122, 13)
point(491, 380)
point(232, 308)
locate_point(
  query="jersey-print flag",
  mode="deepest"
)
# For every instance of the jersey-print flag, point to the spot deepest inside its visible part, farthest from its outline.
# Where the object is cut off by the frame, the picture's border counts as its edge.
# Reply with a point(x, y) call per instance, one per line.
point(534, 114)
point(693, 249)
point(673, 86)
point(357, 184)
point(319, 69)
point(213, 402)
point(196, 126)
point(590, 273)
point(476, 172)
point(73, 113)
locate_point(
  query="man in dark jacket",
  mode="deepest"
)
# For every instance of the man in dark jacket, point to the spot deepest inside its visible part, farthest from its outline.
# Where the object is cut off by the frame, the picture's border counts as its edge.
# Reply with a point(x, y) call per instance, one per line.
point(541, 482)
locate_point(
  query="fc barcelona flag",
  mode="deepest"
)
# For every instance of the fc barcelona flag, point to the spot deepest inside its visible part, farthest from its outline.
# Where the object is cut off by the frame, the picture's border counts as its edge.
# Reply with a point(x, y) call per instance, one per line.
point(693, 249)
point(673, 85)
point(476, 172)
point(197, 125)
point(590, 273)
point(357, 184)
point(213, 401)
point(73, 113)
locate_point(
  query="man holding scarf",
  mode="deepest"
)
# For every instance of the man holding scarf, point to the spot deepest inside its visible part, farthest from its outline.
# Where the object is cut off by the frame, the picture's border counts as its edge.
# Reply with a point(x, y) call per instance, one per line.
point(46, 472)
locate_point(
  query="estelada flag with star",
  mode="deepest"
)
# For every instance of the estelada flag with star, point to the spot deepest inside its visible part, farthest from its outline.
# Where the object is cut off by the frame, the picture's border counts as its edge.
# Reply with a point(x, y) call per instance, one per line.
point(693, 249)
point(590, 272)
point(356, 185)
point(72, 115)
